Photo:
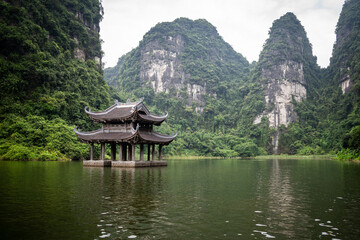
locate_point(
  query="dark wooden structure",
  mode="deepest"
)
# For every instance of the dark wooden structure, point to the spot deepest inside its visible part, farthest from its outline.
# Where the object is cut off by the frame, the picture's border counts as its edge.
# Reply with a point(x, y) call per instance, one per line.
point(126, 125)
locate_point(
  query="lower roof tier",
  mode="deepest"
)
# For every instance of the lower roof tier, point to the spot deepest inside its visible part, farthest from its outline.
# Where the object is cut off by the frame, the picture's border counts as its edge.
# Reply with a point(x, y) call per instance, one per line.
point(133, 137)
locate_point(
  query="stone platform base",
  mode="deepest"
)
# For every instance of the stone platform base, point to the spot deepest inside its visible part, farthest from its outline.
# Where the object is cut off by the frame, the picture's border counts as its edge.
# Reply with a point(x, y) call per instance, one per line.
point(97, 163)
point(132, 164)
point(123, 164)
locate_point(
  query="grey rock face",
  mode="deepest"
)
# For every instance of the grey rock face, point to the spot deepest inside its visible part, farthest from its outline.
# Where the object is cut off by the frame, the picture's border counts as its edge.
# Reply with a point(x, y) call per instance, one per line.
point(161, 68)
point(79, 53)
point(285, 82)
point(345, 51)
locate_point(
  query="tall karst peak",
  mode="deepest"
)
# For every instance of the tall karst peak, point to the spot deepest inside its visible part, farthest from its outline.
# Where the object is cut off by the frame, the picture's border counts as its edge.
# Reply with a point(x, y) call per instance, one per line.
point(287, 42)
point(287, 69)
point(344, 64)
point(184, 57)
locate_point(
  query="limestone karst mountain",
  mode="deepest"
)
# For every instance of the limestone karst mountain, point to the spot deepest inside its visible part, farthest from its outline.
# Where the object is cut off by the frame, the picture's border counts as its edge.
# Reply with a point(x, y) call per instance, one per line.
point(182, 56)
point(287, 69)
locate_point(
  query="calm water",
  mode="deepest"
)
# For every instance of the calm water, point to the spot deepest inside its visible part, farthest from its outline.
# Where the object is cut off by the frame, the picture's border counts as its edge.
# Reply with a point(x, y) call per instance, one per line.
point(189, 199)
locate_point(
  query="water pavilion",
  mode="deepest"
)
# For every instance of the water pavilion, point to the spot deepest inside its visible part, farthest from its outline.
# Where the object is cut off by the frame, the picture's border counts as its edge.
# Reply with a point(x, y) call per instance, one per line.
point(126, 125)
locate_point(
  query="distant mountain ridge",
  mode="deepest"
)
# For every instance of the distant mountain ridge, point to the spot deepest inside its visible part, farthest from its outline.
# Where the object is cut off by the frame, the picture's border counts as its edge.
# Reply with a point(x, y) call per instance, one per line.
point(263, 103)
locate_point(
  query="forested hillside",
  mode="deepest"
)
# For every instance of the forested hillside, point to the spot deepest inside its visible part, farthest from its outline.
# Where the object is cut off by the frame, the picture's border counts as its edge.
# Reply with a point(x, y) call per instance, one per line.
point(50, 68)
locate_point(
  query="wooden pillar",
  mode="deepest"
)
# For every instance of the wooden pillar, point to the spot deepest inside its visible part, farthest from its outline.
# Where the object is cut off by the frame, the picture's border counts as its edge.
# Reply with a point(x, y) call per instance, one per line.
point(132, 152)
point(125, 151)
point(91, 151)
point(113, 151)
point(102, 151)
point(148, 156)
point(141, 152)
point(160, 147)
point(129, 153)
point(153, 152)
point(121, 152)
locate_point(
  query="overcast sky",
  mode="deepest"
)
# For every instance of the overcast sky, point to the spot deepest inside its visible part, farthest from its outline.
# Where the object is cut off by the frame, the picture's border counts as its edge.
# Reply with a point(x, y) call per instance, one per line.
point(244, 24)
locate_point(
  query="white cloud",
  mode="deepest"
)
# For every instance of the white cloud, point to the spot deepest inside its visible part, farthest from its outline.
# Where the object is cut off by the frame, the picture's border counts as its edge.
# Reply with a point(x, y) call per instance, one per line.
point(243, 24)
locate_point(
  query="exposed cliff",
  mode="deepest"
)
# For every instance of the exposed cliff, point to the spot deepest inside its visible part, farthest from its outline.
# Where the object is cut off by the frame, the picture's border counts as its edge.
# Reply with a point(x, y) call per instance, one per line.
point(183, 57)
point(286, 69)
point(344, 65)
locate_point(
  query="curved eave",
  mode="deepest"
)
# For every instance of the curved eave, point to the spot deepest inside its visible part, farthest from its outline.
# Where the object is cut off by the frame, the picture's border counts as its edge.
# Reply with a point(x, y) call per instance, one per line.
point(154, 137)
point(103, 136)
point(157, 120)
point(112, 114)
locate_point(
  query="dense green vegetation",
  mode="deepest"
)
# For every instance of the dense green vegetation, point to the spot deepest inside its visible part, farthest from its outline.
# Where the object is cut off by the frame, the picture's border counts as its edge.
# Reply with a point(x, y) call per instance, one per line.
point(50, 70)
point(44, 86)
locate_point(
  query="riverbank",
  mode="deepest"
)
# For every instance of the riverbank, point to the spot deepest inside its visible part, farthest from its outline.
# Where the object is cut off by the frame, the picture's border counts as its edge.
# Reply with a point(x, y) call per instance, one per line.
point(282, 156)
point(286, 156)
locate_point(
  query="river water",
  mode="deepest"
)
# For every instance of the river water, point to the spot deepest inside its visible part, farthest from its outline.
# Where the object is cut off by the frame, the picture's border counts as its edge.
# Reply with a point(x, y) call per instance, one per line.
point(189, 199)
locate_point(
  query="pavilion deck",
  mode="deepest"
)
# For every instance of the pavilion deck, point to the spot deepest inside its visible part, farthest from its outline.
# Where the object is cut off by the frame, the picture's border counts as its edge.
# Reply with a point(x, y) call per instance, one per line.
point(123, 164)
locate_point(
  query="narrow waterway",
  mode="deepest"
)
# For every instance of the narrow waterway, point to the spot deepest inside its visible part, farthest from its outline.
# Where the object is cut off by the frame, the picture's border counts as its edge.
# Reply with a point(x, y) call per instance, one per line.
point(189, 199)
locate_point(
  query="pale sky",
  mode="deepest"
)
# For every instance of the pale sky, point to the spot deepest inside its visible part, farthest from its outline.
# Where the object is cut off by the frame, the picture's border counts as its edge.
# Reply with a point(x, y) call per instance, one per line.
point(244, 24)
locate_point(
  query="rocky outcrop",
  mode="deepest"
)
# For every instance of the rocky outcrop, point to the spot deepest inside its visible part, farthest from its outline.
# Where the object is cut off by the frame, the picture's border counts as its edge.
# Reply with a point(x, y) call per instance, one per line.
point(161, 68)
point(282, 66)
point(93, 29)
point(345, 51)
point(285, 83)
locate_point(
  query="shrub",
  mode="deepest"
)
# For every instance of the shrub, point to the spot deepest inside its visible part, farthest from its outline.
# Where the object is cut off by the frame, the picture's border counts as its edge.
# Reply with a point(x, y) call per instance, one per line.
point(19, 152)
point(347, 154)
point(247, 149)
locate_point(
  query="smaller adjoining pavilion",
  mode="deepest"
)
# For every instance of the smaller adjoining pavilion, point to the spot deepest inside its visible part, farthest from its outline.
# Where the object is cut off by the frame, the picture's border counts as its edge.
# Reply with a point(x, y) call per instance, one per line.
point(126, 125)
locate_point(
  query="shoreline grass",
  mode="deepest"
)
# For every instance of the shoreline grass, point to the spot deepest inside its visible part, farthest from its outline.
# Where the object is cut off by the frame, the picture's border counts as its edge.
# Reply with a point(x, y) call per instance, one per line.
point(282, 156)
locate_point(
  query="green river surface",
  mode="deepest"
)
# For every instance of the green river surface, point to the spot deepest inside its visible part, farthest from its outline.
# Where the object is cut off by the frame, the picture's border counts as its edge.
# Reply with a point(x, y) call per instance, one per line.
point(188, 199)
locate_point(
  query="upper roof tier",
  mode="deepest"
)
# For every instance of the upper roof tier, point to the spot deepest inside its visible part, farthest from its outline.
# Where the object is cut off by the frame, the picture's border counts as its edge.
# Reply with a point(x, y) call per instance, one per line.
point(129, 111)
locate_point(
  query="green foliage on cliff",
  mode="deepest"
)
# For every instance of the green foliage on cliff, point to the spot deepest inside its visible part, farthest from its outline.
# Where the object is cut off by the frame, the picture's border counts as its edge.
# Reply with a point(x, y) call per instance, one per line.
point(44, 86)
point(287, 43)
point(346, 62)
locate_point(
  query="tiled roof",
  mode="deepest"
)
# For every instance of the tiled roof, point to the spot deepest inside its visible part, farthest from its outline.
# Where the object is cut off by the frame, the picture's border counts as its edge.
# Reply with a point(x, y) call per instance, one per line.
point(102, 136)
point(120, 112)
point(136, 136)
point(154, 137)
